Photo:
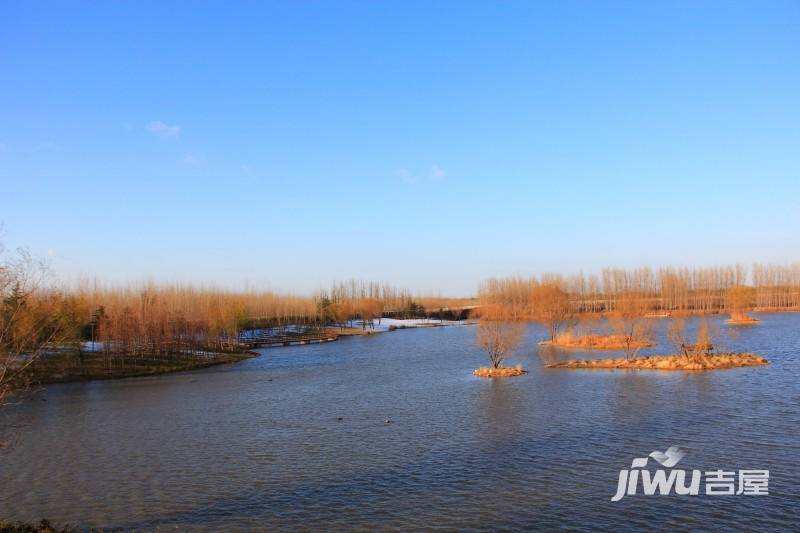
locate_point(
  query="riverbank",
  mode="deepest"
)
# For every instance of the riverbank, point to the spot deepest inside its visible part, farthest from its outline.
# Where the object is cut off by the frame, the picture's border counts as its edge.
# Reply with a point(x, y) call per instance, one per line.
point(393, 324)
point(669, 362)
point(73, 366)
point(354, 332)
point(93, 364)
point(43, 526)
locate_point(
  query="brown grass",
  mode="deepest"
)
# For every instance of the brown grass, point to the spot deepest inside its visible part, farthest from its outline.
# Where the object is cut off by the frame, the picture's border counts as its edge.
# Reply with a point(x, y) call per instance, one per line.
point(670, 362)
point(502, 372)
point(594, 342)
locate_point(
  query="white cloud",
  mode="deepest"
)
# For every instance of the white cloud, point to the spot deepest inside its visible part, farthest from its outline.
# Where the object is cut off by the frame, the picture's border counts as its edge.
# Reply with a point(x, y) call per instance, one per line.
point(437, 172)
point(433, 173)
point(164, 130)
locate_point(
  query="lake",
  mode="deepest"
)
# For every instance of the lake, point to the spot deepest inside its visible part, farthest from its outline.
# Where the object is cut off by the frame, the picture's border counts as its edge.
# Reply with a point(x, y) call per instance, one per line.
point(298, 438)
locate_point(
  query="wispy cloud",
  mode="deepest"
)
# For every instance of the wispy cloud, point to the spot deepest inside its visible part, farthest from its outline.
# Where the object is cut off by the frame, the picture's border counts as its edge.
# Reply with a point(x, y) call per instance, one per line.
point(432, 173)
point(247, 170)
point(164, 130)
point(193, 159)
point(406, 176)
point(436, 172)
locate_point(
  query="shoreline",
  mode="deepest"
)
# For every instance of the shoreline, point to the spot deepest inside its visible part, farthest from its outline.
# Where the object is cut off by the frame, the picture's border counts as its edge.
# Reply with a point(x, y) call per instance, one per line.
point(667, 362)
point(52, 370)
point(695, 312)
point(93, 366)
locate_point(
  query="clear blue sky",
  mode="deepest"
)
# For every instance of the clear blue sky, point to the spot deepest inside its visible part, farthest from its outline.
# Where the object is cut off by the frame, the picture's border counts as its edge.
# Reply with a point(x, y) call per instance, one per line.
point(430, 144)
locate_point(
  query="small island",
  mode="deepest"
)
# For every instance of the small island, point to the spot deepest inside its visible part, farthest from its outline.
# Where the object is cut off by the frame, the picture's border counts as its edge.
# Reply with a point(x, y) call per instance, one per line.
point(739, 300)
point(741, 319)
point(670, 362)
point(500, 372)
point(697, 355)
point(596, 342)
point(497, 336)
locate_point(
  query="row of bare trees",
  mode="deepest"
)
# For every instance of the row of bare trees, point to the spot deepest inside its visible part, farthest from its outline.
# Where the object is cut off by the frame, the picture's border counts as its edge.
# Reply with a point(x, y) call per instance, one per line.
point(159, 319)
point(154, 320)
point(712, 289)
point(163, 319)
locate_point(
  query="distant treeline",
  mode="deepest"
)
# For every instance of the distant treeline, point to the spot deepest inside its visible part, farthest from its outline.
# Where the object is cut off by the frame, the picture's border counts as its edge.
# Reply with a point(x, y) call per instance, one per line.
point(168, 318)
point(701, 290)
point(150, 319)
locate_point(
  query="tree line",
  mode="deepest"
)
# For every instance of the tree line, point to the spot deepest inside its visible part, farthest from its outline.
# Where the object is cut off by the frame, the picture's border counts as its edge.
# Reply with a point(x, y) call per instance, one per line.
point(702, 290)
point(149, 319)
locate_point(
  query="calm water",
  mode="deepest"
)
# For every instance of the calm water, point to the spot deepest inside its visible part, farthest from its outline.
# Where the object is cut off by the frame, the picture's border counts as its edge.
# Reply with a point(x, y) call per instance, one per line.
point(260, 445)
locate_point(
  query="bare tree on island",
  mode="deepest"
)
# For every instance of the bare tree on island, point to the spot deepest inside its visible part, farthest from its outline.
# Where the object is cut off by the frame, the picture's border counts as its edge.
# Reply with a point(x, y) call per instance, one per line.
point(738, 301)
point(497, 339)
point(705, 339)
point(498, 336)
point(630, 322)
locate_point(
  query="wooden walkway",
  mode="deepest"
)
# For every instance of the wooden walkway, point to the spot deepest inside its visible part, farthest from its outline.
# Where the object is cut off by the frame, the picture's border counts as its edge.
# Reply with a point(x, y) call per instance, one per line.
point(270, 340)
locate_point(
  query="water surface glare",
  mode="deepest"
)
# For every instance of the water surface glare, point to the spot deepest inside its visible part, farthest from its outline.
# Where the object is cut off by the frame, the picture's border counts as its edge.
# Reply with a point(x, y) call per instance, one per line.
point(298, 438)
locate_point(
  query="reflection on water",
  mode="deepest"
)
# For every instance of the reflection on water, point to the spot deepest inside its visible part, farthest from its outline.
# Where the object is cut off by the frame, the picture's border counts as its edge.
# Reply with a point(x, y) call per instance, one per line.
point(499, 406)
point(297, 439)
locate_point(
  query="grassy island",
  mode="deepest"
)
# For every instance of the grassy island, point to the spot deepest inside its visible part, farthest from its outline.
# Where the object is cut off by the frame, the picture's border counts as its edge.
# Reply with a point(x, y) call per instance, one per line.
point(596, 342)
point(500, 372)
point(670, 362)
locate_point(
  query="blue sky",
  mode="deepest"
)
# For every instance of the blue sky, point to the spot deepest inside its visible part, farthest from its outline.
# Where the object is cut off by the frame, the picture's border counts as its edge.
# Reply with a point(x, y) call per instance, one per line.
point(429, 144)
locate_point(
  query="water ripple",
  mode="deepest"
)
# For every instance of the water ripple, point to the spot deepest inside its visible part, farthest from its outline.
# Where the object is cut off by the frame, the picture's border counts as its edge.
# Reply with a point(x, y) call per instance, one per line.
point(297, 439)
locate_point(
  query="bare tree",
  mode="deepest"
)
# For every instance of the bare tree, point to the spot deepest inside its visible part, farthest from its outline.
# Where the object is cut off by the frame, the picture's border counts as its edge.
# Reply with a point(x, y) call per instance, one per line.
point(738, 300)
point(30, 319)
point(498, 336)
point(630, 322)
point(369, 309)
point(705, 339)
point(551, 307)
